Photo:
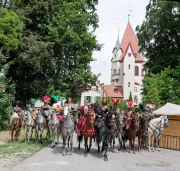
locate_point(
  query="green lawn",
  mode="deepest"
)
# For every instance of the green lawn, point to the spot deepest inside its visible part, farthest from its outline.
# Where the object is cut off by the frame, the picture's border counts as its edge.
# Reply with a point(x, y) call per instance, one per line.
point(20, 149)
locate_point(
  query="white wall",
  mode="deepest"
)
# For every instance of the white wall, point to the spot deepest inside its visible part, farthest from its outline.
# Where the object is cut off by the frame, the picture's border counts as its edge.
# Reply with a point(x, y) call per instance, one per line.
point(91, 93)
point(129, 74)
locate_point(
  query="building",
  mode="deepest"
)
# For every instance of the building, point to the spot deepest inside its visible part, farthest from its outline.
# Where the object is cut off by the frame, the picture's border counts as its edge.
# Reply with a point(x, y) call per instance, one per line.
point(127, 66)
point(93, 94)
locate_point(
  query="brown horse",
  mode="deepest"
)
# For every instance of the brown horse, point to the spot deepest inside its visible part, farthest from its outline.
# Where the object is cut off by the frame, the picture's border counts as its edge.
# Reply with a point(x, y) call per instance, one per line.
point(14, 126)
point(89, 131)
point(131, 132)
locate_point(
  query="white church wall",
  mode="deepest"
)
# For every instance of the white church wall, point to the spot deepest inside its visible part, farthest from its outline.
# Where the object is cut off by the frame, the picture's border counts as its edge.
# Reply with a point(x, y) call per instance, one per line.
point(129, 63)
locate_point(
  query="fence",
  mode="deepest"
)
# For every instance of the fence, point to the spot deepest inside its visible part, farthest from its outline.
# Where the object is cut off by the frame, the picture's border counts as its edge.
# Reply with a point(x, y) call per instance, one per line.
point(170, 142)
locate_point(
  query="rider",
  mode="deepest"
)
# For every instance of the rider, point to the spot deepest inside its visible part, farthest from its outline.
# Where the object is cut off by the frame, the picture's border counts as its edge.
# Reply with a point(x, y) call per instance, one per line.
point(71, 107)
point(18, 110)
point(45, 110)
point(128, 118)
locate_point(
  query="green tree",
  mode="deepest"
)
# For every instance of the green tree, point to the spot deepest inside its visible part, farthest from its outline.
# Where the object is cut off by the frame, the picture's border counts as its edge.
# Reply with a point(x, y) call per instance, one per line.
point(159, 35)
point(162, 88)
point(57, 49)
point(11, 28)
point(130, 97)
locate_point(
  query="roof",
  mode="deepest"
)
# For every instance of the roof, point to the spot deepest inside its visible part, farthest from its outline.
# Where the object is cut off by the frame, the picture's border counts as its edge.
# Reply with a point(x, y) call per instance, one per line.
point(168, 109)
point(130, 39)
point(109, 89)
point(117, 46)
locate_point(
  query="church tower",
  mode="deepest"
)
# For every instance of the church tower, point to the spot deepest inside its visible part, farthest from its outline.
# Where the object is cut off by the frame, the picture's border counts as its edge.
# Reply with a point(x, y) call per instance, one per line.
point(127, 65)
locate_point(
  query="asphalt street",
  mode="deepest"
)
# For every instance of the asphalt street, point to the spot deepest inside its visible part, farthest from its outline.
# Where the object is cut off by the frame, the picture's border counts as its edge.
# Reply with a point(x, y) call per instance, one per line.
point(50, 159)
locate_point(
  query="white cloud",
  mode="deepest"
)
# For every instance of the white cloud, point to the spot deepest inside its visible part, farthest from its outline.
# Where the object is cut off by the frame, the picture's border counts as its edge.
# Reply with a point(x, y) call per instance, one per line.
point(113, 15)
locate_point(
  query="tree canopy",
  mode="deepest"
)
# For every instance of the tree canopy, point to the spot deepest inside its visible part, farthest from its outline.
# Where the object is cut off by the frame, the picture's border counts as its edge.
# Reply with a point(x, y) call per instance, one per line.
point(58, 42)
point(159, 35)
point(162, 88)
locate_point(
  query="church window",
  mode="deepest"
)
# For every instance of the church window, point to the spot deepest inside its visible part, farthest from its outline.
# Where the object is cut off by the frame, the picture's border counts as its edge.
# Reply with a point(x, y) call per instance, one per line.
point(135, 89)
point(114, 72)
point(136, 99)
point(142, 72)
point(115, 90)
point(129, 54)
point(129, 66)
point(129, 84)
point(136, 71)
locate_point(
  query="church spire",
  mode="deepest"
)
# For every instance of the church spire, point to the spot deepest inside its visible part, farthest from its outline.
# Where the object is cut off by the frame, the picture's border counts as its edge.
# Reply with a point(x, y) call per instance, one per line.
point(117, 46)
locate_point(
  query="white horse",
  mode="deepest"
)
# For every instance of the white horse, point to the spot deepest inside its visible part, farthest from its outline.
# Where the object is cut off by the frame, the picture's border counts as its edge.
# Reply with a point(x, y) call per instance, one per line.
point(29, 125)
point(155, 128)
point(53, 126)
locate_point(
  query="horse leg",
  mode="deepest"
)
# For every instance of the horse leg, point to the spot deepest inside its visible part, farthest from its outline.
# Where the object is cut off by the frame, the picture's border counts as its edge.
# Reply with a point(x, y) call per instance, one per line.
point(85, 145)
point(105, 151)
point(12, 133)
point(130, 143)
point(71, 143)
point(64, 146)
point(113, 144)
point(133, 139)
point(149, 141)
point(120, 141)
point(90, 143)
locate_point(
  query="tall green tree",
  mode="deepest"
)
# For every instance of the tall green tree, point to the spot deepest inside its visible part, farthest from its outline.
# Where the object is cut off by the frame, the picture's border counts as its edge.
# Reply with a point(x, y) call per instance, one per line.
point(162, 88)
point(11, 27)
point(57, 49)
point(159, 35)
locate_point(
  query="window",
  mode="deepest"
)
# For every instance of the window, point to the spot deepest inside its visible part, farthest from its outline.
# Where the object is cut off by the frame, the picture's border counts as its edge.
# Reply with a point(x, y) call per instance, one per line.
point(129, 66)
point(136, 99)
point(129, 84)
point(115, 90)
point(119, 71)
point(97, 99)
point(142, 72)
point(114, 72)
point(136, 71)
point(135, 89)
point(129, 54)
point(87, 99)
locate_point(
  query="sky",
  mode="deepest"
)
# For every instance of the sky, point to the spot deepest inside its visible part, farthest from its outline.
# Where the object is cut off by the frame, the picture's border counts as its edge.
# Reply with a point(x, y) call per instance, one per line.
point(113, 18)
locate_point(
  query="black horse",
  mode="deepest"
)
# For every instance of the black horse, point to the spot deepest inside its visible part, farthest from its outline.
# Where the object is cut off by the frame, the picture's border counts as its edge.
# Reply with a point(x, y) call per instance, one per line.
point(104, 127)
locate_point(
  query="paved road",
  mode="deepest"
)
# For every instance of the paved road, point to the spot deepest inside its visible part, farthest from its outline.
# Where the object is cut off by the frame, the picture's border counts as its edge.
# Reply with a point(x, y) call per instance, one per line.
point(52, 160)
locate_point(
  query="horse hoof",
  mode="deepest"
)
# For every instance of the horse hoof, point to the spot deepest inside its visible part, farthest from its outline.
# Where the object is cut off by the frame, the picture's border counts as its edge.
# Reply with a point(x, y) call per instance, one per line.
point(64, 154)
point(119, 149)
point(52, 146)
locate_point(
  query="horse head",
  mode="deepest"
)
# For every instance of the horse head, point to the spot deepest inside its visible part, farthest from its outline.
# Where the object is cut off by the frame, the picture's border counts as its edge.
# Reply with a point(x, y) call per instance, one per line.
point(135, 122)
point(165, 121)
point(90, 117)
point(112, 118)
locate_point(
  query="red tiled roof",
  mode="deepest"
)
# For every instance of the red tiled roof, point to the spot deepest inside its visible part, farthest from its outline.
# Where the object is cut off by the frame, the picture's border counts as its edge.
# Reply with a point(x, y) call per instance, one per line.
point(109, 89)
point(130, 39)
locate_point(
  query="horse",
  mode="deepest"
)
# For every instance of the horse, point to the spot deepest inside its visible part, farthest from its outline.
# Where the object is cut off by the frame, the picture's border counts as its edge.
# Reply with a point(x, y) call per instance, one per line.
point(120, 124)
point(87, 130)
point(155, 128)
point(131, 132)
point(67, 130)
point(40, 124)
point(53, 127)
point(114, 126)
point(142, 132)
point(29, 123)
point(14, 126)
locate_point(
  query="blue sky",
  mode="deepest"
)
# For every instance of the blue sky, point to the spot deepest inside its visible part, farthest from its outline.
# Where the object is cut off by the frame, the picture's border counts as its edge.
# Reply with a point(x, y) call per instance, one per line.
point(113, 16)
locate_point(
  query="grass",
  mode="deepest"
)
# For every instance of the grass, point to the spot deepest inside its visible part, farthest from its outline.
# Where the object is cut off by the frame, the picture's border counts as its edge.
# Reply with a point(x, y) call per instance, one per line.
point(20, 149)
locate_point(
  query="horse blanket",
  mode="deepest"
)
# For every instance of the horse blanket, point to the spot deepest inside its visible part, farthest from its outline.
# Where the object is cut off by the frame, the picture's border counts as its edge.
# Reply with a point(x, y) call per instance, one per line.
point(82, 127)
